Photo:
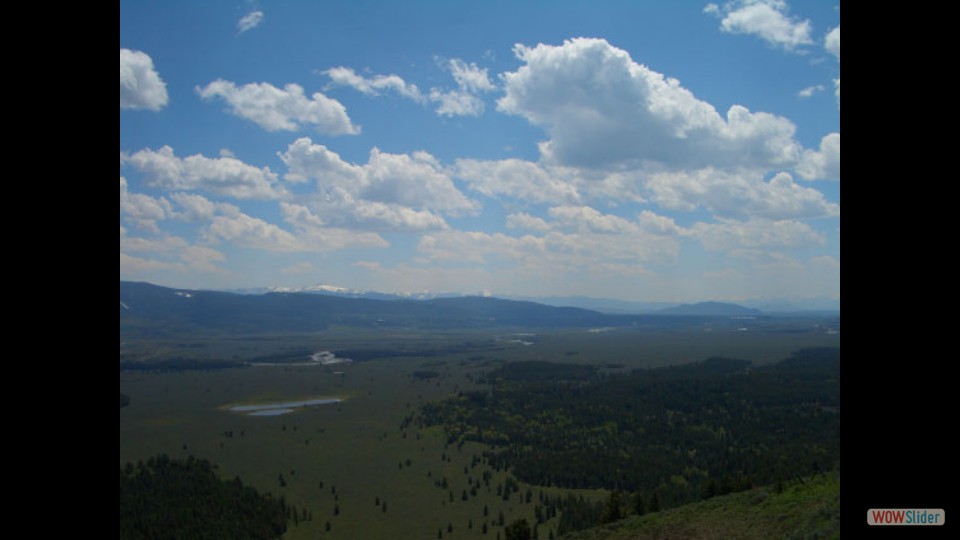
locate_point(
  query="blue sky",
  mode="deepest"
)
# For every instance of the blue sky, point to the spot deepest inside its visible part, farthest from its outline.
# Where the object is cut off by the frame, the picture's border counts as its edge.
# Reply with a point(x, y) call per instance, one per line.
point(655, 151)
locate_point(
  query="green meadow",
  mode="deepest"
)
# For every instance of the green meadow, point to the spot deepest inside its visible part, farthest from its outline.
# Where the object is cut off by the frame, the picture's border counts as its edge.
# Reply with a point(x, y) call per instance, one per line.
point(349, 463)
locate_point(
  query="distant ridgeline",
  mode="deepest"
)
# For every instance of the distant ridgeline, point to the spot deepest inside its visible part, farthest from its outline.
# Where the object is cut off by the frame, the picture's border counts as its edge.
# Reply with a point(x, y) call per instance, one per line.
point(151, 311)
point(669, 435)
point(159, 311)
point(183, 498)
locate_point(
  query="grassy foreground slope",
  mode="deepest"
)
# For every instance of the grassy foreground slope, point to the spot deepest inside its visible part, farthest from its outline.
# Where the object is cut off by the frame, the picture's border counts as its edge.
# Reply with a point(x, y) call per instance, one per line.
point(809, 510)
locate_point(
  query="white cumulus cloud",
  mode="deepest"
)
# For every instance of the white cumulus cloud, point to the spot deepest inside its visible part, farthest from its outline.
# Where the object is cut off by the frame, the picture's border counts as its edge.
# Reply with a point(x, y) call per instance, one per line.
point(475, 246)
point(142, 210)
point(156, 244)
point(140, 85)
point(249, 21)
point(585, 219)
point(602, 109)
point(766, 19)
point(823, 163)
point(202, 258)
point(738, 194)
point(456, 103)
point(194, 207)
point(248, 231)
point(515, 178)
point(314, 234)
point(393, 189)
point(373, 86)
point(226, 222)
point(469, 77)
point(755, 235)
point(286, 109)
point(224, 176)
point(810, 91)
point(525, 221)
point(832, 42)
point(659, 225)
point(394, 216)
point(463, 101)
point(166, 252)
point(131, 265)
point(415, 180)
point(574, 240)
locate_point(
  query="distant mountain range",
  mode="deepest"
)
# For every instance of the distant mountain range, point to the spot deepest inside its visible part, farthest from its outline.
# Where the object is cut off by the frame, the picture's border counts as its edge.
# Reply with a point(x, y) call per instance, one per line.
point(713, 309)
point(333, 290)
point(145, 305)
point(148, 308)
point(603, 305)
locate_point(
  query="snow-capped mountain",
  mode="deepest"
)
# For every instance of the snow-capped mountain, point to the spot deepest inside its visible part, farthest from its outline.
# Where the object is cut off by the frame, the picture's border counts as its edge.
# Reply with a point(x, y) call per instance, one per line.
point(334, 290)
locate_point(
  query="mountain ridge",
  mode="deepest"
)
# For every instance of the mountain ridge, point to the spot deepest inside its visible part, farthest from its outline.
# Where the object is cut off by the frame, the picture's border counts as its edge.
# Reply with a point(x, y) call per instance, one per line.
point(145, 303)
point(712, 309)
point(611, 306)
point(145, 307)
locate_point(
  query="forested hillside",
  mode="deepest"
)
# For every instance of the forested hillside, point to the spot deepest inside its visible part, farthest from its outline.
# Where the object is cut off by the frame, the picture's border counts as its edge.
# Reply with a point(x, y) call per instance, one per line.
point(183, 498)
point(667, 436)
point(806, 508)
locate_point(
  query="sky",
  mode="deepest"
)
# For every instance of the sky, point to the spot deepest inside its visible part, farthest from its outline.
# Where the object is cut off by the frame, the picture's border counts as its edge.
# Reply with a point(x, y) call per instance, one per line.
point(644, 150)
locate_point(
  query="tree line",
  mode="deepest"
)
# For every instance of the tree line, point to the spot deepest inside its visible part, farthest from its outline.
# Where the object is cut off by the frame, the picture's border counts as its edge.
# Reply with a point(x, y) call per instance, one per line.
point(166, 498)
point(663, 436)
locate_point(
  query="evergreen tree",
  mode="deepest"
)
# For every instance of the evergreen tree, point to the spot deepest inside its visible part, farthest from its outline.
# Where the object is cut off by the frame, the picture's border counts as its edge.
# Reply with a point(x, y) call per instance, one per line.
point(612, 511)
point(518, 530)
point(184, 498)
point(712, 489)
point(639, 504)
